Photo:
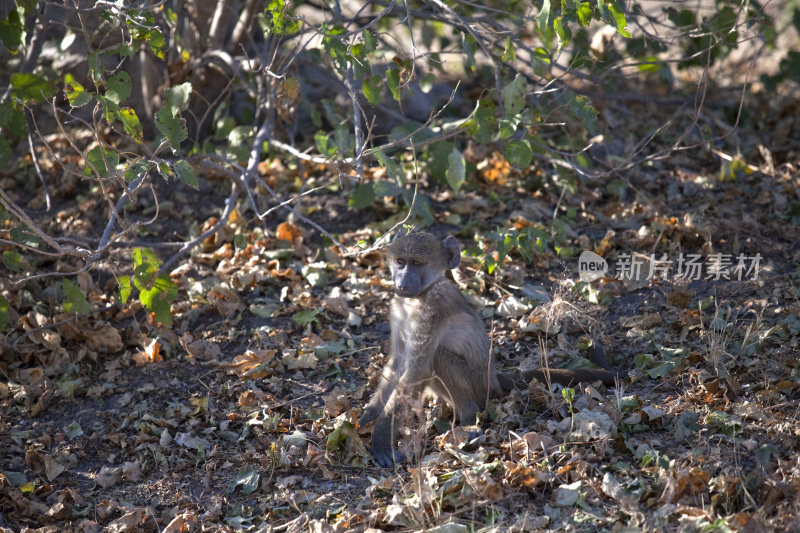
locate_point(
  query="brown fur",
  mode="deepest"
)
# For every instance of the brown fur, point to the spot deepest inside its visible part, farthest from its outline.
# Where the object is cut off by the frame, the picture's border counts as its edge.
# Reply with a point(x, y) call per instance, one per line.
point(438, 341)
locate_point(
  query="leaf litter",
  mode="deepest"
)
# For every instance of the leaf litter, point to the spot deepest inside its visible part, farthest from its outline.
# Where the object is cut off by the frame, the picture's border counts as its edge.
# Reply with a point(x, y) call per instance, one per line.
point(243, 414)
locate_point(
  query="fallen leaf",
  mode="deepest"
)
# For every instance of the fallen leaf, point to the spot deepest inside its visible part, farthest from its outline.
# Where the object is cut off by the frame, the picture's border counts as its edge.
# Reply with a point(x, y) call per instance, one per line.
point(252, 364)
point(183, 523)
point(108, 476)
point(150, 354)
point(203, 350)
point(106, 339)
point(52, 468)
point(131, 471)
point(336, 402)
point(288, 232)
point(301, 360)
point(188, 441)
point(566, 495)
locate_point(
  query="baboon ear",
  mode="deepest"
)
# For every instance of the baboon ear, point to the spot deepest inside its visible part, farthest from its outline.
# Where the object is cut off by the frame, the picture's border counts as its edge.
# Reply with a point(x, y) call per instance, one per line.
point(452, 252)
point(402, 232)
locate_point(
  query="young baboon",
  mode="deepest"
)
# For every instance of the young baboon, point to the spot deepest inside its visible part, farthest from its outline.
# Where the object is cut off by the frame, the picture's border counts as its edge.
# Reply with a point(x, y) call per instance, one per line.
point(438, 341)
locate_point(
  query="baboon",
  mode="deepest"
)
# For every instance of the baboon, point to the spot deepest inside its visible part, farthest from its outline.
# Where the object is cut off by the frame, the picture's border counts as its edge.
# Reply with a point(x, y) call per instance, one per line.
point(438, 341)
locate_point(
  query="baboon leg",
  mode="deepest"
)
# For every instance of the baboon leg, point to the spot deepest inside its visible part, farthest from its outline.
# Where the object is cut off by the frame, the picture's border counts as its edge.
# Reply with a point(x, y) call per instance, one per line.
point(455, 382)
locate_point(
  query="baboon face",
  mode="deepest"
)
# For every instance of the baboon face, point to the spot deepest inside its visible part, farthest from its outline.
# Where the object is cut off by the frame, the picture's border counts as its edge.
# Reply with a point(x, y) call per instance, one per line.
point(419, 259)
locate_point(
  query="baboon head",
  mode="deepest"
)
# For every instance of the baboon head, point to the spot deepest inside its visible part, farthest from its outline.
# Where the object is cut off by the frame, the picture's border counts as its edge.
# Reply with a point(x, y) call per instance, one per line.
point(419, 259)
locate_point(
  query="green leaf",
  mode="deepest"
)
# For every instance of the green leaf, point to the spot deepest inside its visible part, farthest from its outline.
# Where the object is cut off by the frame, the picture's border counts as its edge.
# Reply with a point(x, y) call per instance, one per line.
point(177, 96)
point(120, 83)
point(584, 13)
point(96, 68)
point(110, 107)
point(157, 299)
point(172, 127)
point(426, 82)
point(345, 140)
point(437, 160)
point(135, 168)
point(124, 50)
point(4, 311)
point(11, 30)
point(131, 123)
point(484, 121)
point(157, 43)
point(392, 167)
point(507, 127)
point(125, 288)
point(514, 95)
point(618, 188)
point(540, 61)
point(386, 188)
point(362, 196)
point(145, 267)
point(23, 235)
point(618, 17)
point(371, 86)
point(13, 260)
point(393, 81)
point(337, 440)
point(305, 317)
point(519, 153)
point(101, 161)
point(580, 107)
point(73, 430)
point(509, 54)
point(240, 241)
point(186, 174)
point(5, 151)
point(277, 12)
point(249, 480)
point(563, 32)
point(6, 113)
point(543, 18)
point(31, 87)
point(324, 144)
point(76, 94)
point(370, 41)
point(74, 298)
point(165, 169)
point(456, 170)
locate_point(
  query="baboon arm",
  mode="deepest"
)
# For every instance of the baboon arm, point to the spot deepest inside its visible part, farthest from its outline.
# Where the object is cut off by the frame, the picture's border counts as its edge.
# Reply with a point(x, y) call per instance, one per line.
point(408, 385)
point(463, 334)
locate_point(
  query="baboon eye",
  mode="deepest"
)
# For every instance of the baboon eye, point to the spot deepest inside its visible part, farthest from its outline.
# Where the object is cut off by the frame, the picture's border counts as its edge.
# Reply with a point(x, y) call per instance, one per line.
point(400, 261)
point(415, 262)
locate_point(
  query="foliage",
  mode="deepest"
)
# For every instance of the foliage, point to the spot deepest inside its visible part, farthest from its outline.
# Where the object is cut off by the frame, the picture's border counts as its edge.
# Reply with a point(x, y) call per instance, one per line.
point(172, 172)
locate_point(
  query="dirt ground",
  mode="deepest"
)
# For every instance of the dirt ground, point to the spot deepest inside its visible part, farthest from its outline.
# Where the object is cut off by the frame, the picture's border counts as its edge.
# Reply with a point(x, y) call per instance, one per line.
point(241, 416)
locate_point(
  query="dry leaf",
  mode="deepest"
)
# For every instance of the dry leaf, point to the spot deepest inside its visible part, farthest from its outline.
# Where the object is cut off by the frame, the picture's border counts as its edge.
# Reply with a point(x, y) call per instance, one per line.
point(131, 471)
point(183, 523)
point(150, 354)
point(52, 468)
point(301, 360)
point(252, 364)
point(108, 477)
point(106, 339)
point(203, 350)
point(288, 232)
